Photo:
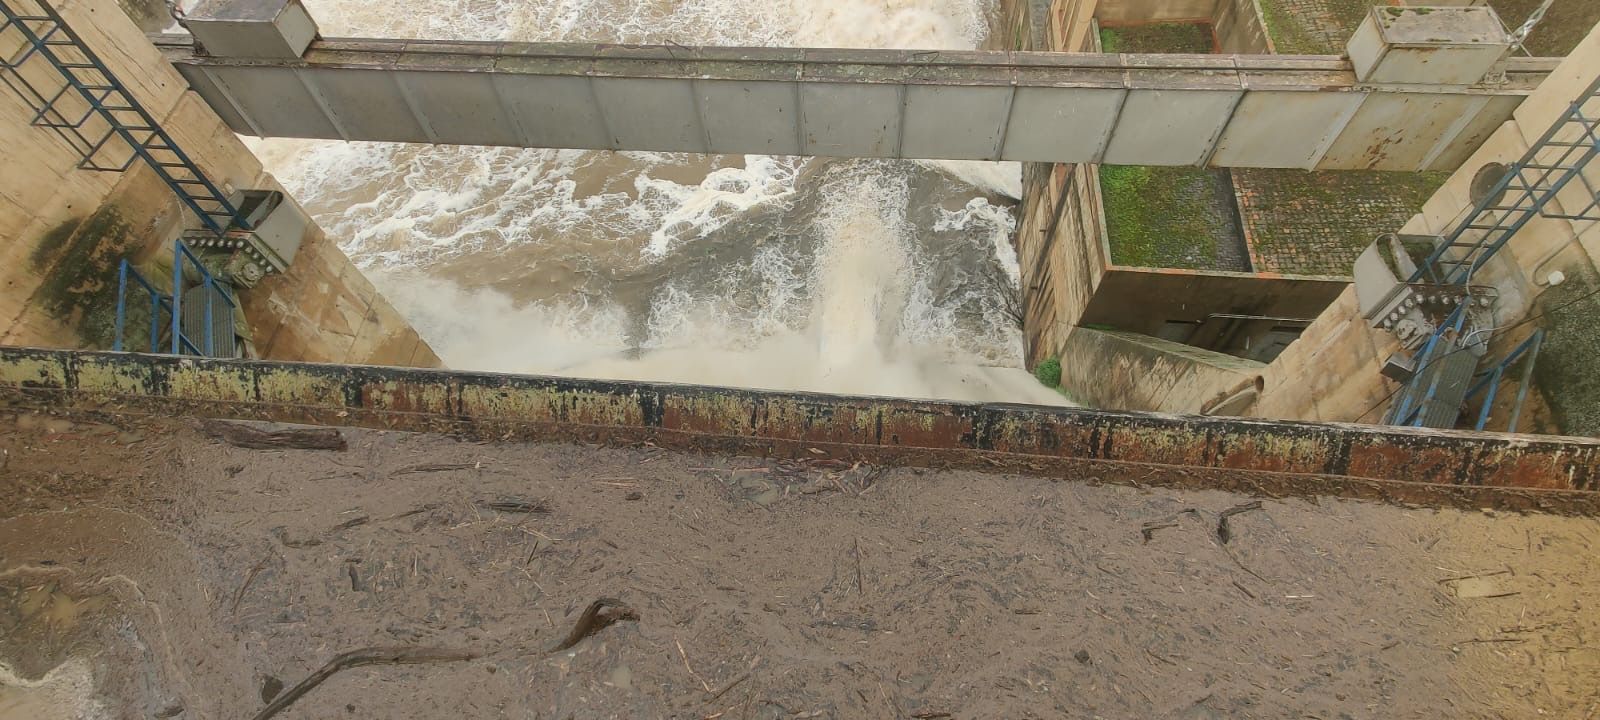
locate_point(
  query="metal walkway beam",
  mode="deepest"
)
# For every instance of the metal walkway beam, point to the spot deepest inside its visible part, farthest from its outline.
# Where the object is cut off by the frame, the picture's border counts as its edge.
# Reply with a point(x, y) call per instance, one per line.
point(1223, 111)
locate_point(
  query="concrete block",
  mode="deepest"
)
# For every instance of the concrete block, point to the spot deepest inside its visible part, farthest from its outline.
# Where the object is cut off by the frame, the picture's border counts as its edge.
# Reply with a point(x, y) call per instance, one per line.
point(424, 356)
point(1061, 124)
point(252, 28)
point(955, 123)
point(851, 120)
point(1169, 127)
point(125, 50)
point(1505, 146)
point(380, 343)
point(1428, 45)
point(660, 115)
point(1112, 12)
point(211, 144)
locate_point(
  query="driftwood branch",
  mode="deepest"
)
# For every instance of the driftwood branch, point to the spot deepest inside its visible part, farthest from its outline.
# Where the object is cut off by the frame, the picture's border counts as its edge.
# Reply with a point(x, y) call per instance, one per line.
point(253, 438)
point(358, 658)
point(596, 617)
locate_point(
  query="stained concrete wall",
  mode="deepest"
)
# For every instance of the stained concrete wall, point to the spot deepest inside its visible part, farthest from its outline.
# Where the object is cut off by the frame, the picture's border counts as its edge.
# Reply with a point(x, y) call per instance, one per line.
point(1433, 467)
point(1130, 371)
point(1071, 25)
point(1238, 25)
point(1332, 373)
point(1140, 12)
point(1021, 26)
point(1069, 280)
point(1062, 254)
point(64, 230)
point(1240, 28)
point(1144, 299)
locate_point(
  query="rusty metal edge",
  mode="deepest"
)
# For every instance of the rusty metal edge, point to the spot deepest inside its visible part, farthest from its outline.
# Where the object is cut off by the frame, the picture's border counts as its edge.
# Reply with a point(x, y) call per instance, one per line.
point(1425, 468)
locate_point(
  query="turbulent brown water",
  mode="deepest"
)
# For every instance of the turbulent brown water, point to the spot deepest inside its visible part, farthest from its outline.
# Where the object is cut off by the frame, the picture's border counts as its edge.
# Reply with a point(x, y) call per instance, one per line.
point(856, 276)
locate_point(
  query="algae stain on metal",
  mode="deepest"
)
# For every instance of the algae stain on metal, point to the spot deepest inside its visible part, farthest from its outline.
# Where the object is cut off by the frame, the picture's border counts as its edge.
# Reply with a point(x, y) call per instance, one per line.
point(190, 381)
point(111, 376)
point(32, 372)
point(292, 386)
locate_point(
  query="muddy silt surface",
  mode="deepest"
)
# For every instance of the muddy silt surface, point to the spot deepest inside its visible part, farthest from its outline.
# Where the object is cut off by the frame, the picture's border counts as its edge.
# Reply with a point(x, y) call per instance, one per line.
point(148, 569)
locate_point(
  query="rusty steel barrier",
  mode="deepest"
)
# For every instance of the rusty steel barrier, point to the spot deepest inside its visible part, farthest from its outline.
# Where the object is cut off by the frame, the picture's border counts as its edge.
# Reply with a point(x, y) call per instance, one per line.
point(1413, 466)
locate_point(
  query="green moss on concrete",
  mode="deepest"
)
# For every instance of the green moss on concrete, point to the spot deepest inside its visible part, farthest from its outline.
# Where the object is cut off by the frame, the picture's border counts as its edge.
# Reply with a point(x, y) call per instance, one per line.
point(1568, 368)
point(1317, 223)
point(1151, 222)
point(53, 244)
point(1567, 23)
point(78, 262)
point(1313, 27)
point(1159, 216)
point(1157, 38)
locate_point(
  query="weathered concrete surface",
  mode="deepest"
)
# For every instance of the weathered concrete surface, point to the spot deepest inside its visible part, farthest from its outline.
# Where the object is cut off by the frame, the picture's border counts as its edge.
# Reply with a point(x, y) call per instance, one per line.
point(64, 230)
point(1240, 27)
point(980, 105)
point(1070, 26)
point(1062, 252)
point(1144, 299)
point(1128, 12)
point(1420, 466)
point(1130, 371)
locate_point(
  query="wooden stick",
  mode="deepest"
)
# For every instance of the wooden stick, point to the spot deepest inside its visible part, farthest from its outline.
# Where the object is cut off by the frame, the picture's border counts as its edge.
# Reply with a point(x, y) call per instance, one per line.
point(255, 439)
point(358, 658)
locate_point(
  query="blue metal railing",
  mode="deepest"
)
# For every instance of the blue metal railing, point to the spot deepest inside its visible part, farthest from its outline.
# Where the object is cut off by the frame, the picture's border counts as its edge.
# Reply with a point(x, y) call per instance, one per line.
point(159, 301)
point(45, 35)
point(1491, 381)
point(168, 309)
point(1408, 412)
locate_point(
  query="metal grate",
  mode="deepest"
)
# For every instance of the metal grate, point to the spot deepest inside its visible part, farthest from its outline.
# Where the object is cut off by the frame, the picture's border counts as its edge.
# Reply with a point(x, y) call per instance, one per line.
point(75, 95)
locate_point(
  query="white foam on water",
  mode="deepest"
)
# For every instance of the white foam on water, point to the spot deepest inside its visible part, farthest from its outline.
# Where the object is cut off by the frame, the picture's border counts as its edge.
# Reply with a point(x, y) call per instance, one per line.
point(999, 223)
point(719, 199)
point(867, 317)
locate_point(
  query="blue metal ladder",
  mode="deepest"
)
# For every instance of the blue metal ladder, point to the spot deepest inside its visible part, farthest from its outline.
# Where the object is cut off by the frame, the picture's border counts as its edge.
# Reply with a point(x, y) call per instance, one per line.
point(1550, 165)
point(85, 104)
point(1446, 363)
